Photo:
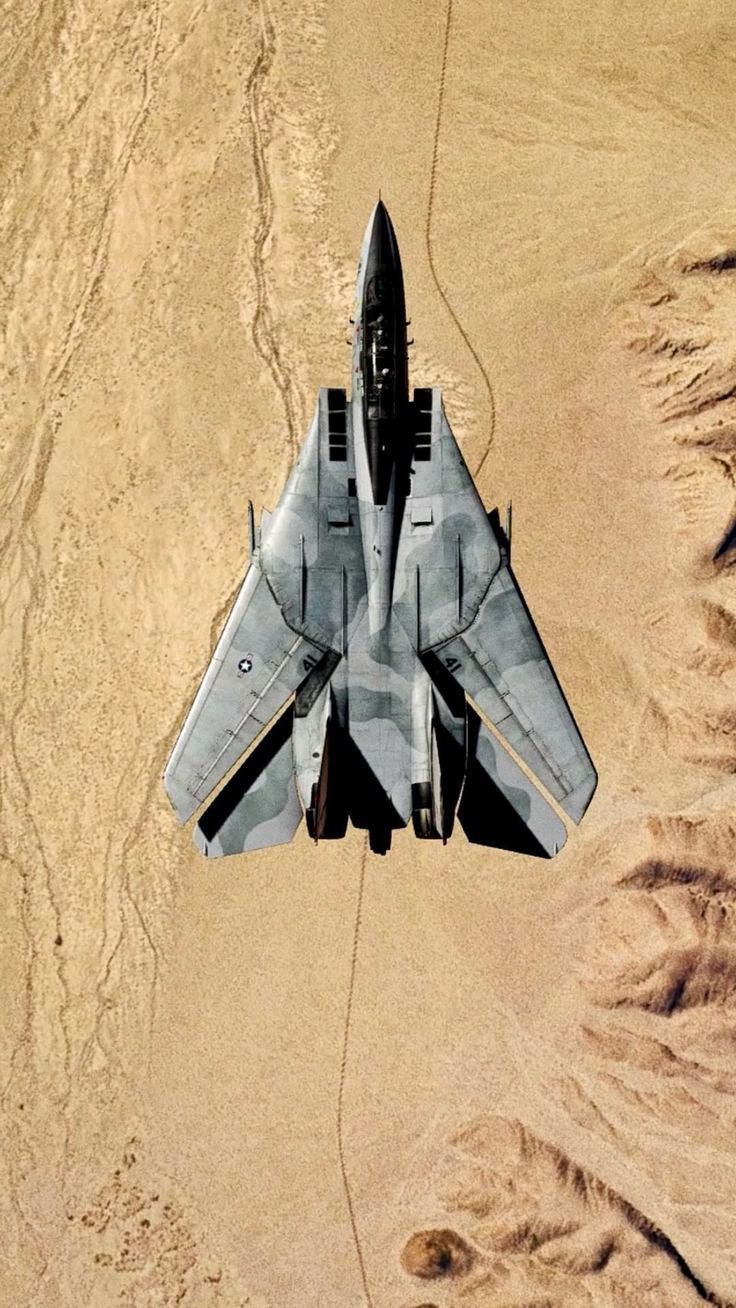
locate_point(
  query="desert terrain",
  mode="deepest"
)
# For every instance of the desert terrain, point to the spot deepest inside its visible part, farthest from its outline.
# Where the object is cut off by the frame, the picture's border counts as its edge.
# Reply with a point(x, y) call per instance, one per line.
point(312, 1076)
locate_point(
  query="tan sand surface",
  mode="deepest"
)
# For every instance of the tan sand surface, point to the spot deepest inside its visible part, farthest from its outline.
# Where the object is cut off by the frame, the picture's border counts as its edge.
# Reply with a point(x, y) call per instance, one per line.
point(534, 1103)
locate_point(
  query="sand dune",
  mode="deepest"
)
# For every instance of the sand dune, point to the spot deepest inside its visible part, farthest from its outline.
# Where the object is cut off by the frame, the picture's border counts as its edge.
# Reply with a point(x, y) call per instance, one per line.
point(665, 941)
point(540, 1230)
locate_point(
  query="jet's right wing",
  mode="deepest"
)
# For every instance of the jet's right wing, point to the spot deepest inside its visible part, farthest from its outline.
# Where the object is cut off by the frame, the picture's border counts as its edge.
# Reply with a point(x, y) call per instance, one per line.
point(502, 665)
point(470, 614)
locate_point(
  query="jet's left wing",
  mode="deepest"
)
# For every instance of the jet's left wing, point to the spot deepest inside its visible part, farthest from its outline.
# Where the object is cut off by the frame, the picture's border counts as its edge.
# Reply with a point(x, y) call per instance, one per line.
point(305, 574)
point(258, 663)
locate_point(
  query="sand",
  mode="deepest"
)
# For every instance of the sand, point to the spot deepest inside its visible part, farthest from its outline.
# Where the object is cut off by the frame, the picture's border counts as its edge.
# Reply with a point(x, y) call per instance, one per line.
point(536, 1088)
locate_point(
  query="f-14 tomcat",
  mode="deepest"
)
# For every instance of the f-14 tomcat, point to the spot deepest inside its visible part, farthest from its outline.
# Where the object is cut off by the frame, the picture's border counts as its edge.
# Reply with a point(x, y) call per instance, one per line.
point(379, 663)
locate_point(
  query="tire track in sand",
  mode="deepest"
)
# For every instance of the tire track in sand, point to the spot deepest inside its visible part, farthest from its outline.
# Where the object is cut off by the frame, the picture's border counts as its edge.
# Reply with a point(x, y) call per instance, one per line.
point(430, 253)
point(80, 318)
point(263, 330)
point(361, 880)
point(343, 1074)
point(40, 908)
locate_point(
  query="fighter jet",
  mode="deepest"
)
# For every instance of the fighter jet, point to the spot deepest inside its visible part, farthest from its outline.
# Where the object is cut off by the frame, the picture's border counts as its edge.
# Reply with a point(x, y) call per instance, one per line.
point(379, 663)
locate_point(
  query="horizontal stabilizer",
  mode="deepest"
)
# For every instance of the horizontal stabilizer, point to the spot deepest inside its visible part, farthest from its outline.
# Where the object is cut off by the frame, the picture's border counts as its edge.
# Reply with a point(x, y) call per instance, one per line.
point(260, 805)
point(499, 805)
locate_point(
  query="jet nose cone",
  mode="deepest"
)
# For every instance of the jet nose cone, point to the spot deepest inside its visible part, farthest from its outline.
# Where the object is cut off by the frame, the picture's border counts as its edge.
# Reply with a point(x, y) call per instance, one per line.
point(383, 248)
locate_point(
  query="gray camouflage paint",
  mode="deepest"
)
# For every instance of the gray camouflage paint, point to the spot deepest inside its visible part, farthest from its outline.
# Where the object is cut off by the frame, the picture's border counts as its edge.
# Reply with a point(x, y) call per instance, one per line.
point(374, 588)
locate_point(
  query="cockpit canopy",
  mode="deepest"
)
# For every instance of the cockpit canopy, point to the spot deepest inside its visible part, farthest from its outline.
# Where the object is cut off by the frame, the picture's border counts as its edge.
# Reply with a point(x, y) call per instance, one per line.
point(379, 291)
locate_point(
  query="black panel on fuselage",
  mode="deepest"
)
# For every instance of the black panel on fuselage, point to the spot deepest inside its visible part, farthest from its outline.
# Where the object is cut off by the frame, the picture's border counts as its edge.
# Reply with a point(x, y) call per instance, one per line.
point(384, 357)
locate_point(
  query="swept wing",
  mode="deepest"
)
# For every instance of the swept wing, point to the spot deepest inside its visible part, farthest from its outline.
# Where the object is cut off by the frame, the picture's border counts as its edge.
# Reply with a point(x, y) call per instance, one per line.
point(468, 592)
